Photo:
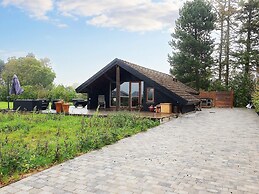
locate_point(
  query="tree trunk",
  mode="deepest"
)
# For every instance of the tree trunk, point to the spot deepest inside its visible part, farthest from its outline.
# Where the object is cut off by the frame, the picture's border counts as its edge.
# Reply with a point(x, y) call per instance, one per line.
point(257, 73)
point(222, 14)
point(197, 79)
point(248, 41)
point(227, 45)
point(221, 45)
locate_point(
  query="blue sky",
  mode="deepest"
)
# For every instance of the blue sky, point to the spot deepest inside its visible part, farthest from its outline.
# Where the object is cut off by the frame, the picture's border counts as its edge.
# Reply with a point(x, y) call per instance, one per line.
point(82, 36)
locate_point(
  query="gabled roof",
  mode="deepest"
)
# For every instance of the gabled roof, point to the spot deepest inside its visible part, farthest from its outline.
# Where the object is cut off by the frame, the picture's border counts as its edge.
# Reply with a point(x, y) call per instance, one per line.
point(164, 80)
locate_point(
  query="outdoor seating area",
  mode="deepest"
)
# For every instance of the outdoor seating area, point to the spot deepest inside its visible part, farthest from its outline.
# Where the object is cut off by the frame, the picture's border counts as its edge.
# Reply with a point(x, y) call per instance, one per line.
point(79, 102)
point(101, 101)
point(80, 111)
point(30, 104)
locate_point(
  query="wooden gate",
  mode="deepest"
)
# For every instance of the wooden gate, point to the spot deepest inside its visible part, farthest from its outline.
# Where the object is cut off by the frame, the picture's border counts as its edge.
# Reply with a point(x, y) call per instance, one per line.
point(224, 99)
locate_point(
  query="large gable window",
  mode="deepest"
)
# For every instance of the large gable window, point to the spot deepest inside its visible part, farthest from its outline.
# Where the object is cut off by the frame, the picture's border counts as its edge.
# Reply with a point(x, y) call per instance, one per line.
point(150, 94)
point(131, 94)
point(124, 94)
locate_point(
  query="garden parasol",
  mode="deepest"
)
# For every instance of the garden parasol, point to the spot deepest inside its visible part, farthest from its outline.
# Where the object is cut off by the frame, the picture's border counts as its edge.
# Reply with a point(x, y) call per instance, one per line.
point(15, 87)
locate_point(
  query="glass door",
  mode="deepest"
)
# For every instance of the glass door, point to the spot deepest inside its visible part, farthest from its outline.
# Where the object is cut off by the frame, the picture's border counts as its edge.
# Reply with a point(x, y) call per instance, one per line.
point(131, 94)
point(135, 94)
point(136, 91)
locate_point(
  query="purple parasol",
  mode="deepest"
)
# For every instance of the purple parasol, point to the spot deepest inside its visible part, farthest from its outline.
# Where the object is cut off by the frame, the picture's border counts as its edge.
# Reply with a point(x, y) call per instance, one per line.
point(16, 87)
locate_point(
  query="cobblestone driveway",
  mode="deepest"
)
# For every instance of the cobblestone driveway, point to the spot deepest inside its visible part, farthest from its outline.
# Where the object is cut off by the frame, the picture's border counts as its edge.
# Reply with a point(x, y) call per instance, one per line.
point(212, 151)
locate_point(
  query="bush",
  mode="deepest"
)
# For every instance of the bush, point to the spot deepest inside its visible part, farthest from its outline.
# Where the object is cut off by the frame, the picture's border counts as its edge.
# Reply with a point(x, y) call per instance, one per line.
point(243, 87)
point(30, 92)
point(62, 92)
point(255, 98)
point(3, 93)
point(217, 86)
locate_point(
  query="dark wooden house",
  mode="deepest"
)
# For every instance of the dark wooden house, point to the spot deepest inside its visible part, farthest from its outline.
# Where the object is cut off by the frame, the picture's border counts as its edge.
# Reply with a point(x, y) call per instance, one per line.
point(124, 85)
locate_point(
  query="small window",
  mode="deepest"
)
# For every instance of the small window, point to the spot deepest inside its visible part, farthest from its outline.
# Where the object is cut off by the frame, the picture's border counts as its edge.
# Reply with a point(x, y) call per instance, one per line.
point(150, 94)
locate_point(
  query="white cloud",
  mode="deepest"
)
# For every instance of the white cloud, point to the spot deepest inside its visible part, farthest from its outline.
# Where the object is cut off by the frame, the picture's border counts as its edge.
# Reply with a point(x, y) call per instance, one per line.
point(133, 15)
point(36, 8)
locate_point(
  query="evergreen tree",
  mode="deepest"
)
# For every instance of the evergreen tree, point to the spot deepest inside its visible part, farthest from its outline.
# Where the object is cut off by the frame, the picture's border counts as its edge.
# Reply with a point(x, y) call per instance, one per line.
point(192, 44)
point(248, 42)
point(221, 18)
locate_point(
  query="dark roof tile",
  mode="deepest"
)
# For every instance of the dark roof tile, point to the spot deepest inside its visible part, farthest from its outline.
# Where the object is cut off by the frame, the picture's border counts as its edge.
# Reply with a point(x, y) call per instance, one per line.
point(167, 81)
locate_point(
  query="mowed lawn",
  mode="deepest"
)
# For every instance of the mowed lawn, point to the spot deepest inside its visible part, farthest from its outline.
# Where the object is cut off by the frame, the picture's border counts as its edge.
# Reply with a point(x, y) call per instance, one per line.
point(4, 105)
point(30, 141)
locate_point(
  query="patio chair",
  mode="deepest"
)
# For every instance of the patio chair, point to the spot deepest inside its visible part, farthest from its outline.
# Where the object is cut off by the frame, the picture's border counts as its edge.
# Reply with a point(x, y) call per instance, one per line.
point(101, 101)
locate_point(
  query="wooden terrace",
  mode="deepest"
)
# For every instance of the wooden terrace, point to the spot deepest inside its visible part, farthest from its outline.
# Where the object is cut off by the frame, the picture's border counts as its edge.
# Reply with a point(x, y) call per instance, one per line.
point(105, 112)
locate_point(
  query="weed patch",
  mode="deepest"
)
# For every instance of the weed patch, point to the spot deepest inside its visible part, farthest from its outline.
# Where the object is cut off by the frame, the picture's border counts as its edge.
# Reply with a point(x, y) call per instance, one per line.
point(33, 141)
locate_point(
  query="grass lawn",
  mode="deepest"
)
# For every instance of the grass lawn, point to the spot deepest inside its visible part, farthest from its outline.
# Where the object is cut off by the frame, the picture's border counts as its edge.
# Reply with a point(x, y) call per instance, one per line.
point(34, 141)
point(4, 105)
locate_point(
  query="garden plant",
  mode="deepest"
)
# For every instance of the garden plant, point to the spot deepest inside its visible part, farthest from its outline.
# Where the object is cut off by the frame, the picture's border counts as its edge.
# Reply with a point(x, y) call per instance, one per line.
point(30, 141)
point(255, 99)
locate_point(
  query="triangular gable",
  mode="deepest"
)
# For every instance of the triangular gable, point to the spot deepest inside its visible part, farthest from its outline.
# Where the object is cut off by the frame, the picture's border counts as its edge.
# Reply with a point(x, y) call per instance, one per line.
point(140, 73)
point(80, 88)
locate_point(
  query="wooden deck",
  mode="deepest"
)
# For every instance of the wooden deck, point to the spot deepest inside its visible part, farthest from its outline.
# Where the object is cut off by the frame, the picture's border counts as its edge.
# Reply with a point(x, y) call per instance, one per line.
point(105, 112)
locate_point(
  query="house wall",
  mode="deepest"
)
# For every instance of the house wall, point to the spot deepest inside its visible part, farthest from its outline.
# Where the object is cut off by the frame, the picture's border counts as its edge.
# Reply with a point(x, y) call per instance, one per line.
point(95, 92)
point(102, 87)
point(159, 97)
point(187, 108)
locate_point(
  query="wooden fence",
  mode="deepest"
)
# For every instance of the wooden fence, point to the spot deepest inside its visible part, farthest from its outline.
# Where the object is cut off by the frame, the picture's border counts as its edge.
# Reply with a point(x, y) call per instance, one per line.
point(223, 99)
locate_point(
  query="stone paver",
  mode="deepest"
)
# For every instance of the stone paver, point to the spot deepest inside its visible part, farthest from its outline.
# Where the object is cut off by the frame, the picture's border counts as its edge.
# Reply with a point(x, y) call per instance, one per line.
point(212, 151)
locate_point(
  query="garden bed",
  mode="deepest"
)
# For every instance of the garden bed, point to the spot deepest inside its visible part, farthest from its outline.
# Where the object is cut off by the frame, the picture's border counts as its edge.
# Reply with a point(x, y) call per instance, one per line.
point(29, 142)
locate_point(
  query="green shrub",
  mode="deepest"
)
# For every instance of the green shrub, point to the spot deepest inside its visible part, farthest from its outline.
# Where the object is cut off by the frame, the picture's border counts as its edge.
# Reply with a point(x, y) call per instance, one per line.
point(255, 98)
point(30, 92)
point(217, 86)
point(3, 93)
point(243, 87)
point(62, 92)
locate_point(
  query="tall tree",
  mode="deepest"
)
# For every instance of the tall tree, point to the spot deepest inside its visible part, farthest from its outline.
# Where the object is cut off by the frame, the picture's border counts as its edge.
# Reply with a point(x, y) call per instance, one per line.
point(1, 66)
point(220, 9)
point(225, 27)
point(192, 44)
point(227, 44)
point(248, 50)
point(222, 15)
point(30, 71)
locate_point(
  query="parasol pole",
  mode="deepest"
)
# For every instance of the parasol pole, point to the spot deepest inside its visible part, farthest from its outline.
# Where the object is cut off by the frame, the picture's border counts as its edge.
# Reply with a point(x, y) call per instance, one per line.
point(8, 92)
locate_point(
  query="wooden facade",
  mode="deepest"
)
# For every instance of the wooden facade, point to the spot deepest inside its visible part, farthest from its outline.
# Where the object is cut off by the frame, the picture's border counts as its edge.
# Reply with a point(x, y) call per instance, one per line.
point(129, 86)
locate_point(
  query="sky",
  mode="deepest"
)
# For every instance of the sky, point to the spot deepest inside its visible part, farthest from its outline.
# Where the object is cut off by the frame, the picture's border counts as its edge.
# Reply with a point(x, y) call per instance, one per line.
point(80, 37)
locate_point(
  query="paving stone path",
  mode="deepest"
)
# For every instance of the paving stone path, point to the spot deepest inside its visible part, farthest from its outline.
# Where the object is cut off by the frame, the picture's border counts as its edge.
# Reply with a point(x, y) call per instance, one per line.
point(212, 151)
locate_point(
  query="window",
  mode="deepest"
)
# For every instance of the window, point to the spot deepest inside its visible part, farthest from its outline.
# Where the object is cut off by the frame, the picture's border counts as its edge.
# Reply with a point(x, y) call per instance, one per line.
point(135, 94)
point(124, 94)
point(150, 94)
point(131, 94)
